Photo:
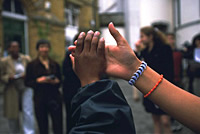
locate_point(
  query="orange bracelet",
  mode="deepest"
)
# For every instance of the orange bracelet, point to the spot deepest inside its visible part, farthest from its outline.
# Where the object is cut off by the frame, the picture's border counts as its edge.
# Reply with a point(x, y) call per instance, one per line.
point(159, 81)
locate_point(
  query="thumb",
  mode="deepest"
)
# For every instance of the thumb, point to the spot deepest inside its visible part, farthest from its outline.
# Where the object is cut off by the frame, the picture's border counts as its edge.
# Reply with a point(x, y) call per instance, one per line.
point(72, 50)
point(73, 63)
point(115, 33)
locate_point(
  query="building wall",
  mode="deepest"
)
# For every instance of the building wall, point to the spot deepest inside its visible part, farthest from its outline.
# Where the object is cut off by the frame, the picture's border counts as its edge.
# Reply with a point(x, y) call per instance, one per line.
point(182, 19)
point(132, 21)
point(139, 13)
point(111, 11)
point(187, 21)
point(186, 35)
point(89, 13)
point(88, 18)
point(38, 19)
point(1, 36)
point(156, 10)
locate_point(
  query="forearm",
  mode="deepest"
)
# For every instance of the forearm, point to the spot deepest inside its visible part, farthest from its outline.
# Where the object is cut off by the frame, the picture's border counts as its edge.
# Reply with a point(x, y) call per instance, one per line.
point(180, 104)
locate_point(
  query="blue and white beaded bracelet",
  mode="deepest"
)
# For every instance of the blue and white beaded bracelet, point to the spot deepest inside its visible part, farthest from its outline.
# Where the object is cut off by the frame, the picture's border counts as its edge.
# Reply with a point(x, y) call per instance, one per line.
point(137, 74)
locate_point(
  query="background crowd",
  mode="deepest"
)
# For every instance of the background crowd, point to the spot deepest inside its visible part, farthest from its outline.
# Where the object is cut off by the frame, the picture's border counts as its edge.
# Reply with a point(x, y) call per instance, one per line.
point(34, 88)
point(34, 85)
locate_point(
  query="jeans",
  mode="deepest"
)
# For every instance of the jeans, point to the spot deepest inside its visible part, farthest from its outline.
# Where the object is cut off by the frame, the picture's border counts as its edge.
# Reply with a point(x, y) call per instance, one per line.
point(28, 126)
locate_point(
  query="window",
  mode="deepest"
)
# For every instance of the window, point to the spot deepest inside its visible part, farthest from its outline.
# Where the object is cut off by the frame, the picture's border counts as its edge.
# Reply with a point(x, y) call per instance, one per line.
point(72, 13)
point(13, 6)
point(186, 12)
point(14, 25)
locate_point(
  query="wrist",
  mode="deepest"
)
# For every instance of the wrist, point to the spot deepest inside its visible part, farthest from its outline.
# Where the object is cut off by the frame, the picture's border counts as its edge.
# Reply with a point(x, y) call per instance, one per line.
point(132, 69)
point(88, 81)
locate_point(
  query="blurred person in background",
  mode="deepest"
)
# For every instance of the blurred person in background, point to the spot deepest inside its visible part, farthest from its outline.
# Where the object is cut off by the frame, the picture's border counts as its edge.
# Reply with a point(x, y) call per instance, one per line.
point(44, 76)
point(159, 57)
point(192, 54)
point(177, 58)
point(1, 82)
point(71, 84)
point(178, 72)
point(17, 97)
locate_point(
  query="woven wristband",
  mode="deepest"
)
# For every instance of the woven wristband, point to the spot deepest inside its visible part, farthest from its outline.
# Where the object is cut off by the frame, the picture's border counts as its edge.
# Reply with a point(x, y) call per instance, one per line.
point(137, 74)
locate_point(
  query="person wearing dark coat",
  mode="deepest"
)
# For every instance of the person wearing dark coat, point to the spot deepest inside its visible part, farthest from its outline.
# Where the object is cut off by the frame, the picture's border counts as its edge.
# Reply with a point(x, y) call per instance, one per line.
point(71, 84)
point(193, 69)
point(158, 56)
point(44, 76)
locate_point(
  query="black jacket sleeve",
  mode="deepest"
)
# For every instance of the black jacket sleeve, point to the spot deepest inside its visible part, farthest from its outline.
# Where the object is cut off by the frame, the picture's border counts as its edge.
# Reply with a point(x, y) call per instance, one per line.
point(67, 65)
point(30, 80)
point(101, 108)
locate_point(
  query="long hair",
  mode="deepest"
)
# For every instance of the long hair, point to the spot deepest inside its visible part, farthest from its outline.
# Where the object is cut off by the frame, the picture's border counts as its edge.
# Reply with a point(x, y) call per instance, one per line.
point(158, 36)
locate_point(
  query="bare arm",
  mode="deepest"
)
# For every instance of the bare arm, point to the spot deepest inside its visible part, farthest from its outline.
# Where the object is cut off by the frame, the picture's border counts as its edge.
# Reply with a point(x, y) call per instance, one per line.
point(180, 104)
point(122, 63)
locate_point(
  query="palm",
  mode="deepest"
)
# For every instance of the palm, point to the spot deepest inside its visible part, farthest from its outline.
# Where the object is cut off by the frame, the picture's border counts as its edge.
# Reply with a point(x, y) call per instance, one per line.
point(119, 59)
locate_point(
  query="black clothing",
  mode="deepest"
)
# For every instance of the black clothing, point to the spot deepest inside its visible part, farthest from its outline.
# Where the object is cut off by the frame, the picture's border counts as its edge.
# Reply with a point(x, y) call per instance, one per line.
point(193, 69)
point(189, 54)
point(159, 59)
point(71, 84)
point(101, 108)
point(47, 98)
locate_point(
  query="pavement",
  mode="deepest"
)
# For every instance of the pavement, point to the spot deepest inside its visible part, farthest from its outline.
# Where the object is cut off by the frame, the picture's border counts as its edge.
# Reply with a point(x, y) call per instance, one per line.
point(142, 119)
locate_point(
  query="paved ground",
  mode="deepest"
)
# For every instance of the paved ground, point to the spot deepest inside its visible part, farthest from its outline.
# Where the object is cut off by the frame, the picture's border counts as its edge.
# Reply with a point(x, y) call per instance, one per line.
point(143, 120)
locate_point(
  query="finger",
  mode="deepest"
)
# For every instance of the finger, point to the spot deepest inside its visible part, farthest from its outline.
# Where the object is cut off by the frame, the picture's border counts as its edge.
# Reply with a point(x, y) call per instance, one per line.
point(115, 33)
point(88, 40)
point(72, 59)
point(101, 47)
point(79, 46)
point(71, 48)
point(95, 41)
point(73, 53)
point(75, 42)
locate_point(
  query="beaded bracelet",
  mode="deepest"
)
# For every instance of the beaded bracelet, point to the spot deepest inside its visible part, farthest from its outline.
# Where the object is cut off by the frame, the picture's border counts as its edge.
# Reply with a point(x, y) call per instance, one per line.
point(137, 74)
point(159, 81)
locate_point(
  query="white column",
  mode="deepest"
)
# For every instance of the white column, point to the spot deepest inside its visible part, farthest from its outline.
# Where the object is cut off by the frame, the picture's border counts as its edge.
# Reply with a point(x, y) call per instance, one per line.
point(132, 20)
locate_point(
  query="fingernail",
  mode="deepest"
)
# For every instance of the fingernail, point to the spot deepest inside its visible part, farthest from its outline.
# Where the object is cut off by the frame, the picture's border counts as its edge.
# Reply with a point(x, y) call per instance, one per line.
point(102, 39)
point(112, 23)
point(90, 32)
point(81, 34)
point(96, 33)
point(75, 41)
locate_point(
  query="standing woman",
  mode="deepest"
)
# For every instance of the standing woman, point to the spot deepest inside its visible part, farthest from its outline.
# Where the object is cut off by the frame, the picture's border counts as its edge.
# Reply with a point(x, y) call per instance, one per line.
point(191, 53)
point(44, 76)
point(158, 56)
point(17, 97)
